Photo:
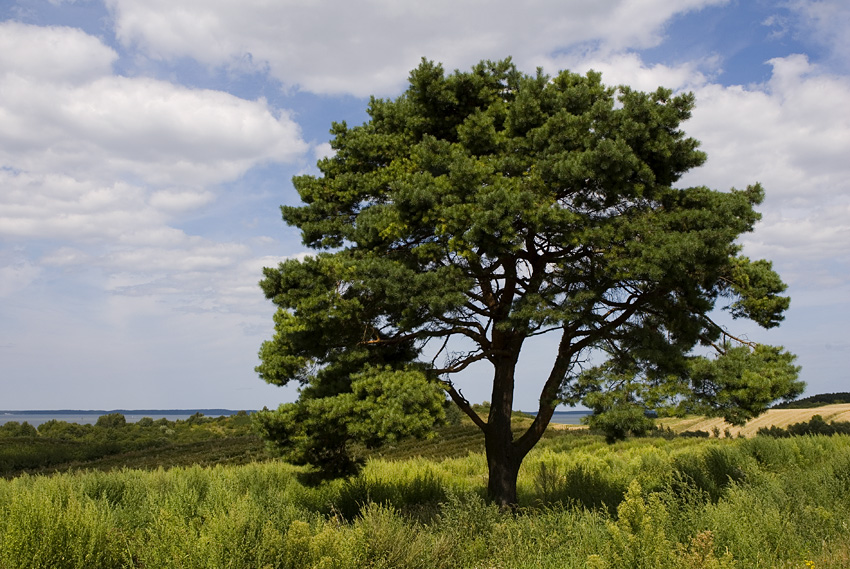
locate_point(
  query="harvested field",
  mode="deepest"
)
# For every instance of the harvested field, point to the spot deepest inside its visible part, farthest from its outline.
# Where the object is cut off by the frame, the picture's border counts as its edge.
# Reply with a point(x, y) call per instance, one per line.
point(777, 417)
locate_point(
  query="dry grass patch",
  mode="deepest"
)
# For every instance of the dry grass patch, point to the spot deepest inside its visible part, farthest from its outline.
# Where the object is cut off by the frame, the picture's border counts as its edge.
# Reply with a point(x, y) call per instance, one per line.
point(774, 417)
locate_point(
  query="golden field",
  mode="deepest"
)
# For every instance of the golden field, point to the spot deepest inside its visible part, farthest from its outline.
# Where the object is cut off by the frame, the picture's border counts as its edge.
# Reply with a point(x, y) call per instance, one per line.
point(777, 417)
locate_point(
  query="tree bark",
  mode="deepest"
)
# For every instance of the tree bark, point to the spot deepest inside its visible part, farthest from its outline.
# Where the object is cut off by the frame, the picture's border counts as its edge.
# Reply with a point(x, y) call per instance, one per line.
point(503, 458)
point(503, 470)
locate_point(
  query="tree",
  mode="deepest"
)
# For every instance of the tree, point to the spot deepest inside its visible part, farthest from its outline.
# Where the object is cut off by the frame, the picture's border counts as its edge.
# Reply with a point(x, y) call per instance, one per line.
point(111, 421)
point(482, 208)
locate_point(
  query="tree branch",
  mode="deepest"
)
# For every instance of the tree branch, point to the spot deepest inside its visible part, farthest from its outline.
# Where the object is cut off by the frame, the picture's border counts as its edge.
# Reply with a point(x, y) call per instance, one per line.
point(463, 404)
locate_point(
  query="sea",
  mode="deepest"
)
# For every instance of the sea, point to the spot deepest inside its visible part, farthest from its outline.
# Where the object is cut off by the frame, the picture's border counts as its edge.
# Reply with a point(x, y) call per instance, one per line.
point(569, 417)
point(89, 417)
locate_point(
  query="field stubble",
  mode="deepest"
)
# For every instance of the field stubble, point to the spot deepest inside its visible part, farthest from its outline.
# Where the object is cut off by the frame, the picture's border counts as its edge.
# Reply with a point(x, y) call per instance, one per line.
point(773, 417)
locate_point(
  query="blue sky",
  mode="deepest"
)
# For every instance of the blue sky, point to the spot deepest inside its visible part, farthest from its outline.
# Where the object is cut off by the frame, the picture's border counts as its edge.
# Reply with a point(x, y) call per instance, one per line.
point(145, 147)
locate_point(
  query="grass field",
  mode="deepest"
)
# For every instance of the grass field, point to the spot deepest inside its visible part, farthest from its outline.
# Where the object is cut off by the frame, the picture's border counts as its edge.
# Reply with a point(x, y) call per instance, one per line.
point(230, 441)
point(646, 503)
point(642, 503)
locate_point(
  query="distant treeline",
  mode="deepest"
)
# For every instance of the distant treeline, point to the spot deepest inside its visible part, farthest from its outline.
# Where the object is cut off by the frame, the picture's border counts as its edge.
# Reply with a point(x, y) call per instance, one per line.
point(25, 448)
point(816, 401)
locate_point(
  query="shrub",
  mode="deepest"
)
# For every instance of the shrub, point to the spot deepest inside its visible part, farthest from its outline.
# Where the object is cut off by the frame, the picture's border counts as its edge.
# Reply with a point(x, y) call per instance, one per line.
point(638, 539)
point(695, 434)
point(111, 421)
point(16, 429)
point(814, 426)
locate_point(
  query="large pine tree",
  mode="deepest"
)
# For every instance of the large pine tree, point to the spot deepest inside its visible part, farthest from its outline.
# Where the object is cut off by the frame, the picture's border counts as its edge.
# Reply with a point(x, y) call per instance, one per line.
point(492, 206)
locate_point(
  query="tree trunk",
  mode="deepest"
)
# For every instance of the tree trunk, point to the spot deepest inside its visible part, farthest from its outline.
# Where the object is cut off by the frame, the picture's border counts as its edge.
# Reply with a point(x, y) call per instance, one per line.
point(503, 469)
point(503, 459)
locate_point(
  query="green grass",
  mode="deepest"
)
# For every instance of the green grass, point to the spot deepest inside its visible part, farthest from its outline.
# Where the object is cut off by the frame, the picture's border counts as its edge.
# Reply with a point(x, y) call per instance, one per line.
point(206, 494)
point(58, 446)
point(681, 503)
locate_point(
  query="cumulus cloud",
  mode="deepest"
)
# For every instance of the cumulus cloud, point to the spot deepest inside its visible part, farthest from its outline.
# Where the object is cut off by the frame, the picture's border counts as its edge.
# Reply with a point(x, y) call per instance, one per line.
point(100, 168)
point(99, 175)
point(627, 68)
point(323, 150)
point(111, 127)
point(791, 136)
point(56, 206)
point(368, 46)
point(52, 53)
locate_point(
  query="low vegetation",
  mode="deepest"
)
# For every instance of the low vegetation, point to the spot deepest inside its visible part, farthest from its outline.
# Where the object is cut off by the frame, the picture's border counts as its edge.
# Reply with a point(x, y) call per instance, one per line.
point(113, 442)
point(651, 502)
point(815, 426)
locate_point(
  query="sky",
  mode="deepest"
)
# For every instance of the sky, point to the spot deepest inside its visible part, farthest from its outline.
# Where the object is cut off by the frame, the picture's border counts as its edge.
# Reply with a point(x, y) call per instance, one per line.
point(146, 146)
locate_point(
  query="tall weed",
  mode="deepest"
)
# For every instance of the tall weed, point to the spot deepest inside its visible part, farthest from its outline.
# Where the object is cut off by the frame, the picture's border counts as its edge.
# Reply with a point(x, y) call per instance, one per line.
point(53, 527)
point(681, 504)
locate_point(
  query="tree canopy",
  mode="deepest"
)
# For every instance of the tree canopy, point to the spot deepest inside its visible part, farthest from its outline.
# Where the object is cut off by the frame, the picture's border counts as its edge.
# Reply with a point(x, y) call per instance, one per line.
point(482, 208)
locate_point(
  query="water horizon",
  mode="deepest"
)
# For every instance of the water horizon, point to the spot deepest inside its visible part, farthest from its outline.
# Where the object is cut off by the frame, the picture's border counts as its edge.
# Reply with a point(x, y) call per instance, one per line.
point(572, 417)
point(36, 417)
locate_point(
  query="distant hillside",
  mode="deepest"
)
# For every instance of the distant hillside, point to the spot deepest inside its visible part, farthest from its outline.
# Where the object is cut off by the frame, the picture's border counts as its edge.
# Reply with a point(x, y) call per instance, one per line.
point(816, 401)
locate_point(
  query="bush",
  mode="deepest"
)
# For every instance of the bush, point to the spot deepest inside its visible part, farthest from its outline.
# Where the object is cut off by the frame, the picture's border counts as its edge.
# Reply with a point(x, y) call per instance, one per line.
point(691, 504)
point(814, 426)
point(111, 421)
point(16, 429)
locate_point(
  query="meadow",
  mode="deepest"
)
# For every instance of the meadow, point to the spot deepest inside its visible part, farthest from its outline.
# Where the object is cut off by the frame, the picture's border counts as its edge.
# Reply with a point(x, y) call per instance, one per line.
point(643, 503)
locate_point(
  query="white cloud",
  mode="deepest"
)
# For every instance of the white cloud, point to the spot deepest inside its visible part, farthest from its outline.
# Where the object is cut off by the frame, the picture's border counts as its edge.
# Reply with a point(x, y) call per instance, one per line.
point(63, 111)
point(826, 22)
point(368, 46)
point(627, 68)
point(793, 136)
point(101, 170)
point(54, 206)
point(139, 129)
point(175, 201)
point(323, 150)
point(65, 257)
point(186, 255)
point(53, 54)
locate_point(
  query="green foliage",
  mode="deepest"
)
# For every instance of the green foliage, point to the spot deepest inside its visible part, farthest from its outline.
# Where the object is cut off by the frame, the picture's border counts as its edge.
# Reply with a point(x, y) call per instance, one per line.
point(111, 421)
point(711, 471)
point(585, 483)
point(112, 443)
point(742, 382)
point(696, 434)
point(638, 538)
point(758, 289)
point(491, 206)
point(16, 429)
point(382, 406)
point(620, 420)
point(786, 504)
